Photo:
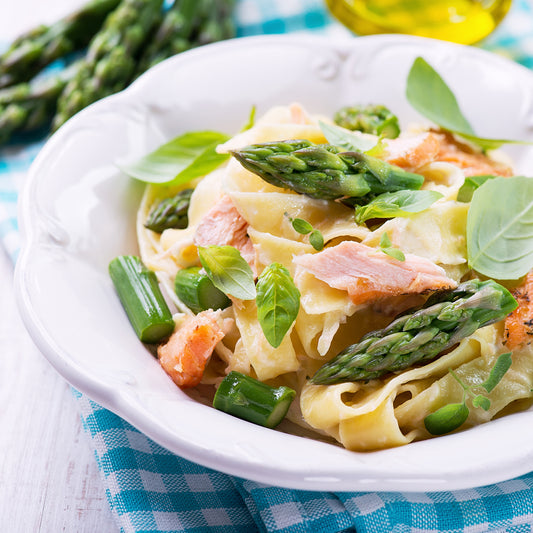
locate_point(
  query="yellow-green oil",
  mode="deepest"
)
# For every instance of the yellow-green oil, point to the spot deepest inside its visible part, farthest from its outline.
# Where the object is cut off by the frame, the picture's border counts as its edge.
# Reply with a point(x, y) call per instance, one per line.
point(460, 21)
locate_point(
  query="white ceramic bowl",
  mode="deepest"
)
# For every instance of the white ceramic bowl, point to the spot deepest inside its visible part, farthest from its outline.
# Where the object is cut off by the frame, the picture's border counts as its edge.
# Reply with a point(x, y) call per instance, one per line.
point(77, 213)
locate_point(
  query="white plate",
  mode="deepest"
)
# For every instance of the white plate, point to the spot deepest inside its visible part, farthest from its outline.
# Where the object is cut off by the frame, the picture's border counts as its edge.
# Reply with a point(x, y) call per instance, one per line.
point(77, 213)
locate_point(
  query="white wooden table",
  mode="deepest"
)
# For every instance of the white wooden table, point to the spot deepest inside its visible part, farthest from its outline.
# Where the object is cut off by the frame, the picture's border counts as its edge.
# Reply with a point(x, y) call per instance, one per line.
point(49, 481)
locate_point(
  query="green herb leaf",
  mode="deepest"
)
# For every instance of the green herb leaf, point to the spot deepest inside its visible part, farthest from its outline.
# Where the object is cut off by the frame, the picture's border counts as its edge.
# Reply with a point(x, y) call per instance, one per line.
point(470, 184)
point(395, 253)
point(316, 239)
point(428, 93)
point(387, 248)
point(251, 120)
point(278, 302)
point(228, 271)
point(182, 159)
point(447, 418)
point(385, 241)
point(499, 229)
point(503, 363)
point(301, 226)
point(346, 139)
point(481, 401)
point(396, 204)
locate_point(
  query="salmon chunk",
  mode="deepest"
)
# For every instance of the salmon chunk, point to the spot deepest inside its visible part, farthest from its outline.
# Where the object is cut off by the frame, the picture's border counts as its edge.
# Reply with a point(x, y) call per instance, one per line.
point(411, 153)
point(519, 324)
point(186, 353)
point(471, 162)
point(367, 274)
point(223, 225)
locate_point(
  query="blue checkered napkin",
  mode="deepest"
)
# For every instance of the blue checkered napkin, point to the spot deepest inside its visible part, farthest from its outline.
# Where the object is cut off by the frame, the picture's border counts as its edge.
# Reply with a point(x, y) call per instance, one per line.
point(152, 490)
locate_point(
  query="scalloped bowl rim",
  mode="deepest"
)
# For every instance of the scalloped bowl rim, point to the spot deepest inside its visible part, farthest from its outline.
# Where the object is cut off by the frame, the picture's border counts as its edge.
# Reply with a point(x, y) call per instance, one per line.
point(382, 470)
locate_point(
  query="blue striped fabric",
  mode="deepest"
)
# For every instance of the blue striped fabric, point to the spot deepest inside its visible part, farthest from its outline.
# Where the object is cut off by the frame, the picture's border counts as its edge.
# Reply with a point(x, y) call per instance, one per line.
point(152, 490)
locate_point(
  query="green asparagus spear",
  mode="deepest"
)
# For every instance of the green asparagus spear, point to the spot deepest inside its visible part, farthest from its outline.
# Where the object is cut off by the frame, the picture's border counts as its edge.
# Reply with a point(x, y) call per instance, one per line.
point(27, 107)
point(111, 58)
point(324, 171)
point(374, 119)
point(187, 24)
point(250, 399)
point(174, 35)
point(170, 212)
point(37, 48)
point(218, 22)
point(421, 335)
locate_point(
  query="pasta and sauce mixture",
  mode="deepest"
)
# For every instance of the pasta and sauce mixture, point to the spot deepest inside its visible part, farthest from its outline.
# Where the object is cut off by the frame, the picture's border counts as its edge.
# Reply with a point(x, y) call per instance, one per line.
point(353, 278)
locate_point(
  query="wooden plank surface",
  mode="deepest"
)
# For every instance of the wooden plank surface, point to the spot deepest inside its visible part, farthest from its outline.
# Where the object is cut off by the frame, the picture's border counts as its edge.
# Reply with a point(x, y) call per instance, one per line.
point(49, 481)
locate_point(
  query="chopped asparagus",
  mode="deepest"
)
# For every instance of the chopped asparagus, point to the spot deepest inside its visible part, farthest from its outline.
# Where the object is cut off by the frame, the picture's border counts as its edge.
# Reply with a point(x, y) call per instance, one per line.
point(141, 297)
point(197, 291)
point(250, 399)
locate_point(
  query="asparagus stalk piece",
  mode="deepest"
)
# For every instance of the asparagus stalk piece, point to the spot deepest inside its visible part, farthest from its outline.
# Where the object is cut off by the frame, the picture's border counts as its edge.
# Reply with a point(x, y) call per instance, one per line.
point(247, 398)
point(421, 335)
point(324, 171)
point(374, 119)
point(194, 288)
point(111, 58)
point(170, 212)
point(140, 295)
point(39, 47)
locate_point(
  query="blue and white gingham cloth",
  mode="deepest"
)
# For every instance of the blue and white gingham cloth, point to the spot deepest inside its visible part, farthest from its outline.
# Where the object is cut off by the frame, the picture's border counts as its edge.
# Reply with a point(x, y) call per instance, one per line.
point(152, 490)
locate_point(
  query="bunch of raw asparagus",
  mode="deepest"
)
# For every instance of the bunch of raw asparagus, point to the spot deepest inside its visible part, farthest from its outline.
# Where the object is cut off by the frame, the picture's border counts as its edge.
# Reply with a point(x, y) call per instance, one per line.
point(118, 40)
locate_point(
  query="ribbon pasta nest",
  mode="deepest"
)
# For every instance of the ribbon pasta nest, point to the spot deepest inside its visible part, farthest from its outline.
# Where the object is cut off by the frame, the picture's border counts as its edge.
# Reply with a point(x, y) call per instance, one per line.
point(332, 261)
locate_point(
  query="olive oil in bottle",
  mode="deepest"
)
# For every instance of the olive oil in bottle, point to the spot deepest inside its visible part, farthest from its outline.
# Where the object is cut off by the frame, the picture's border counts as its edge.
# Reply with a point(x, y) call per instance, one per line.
point(460, 21)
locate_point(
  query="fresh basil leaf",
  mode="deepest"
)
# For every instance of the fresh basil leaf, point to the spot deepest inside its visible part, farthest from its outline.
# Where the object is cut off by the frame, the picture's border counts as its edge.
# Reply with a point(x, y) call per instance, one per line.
point(182, 159)
point(316, 239)
point(499, 228)
point(228, 270)
point(489, 144)
point(395, 253)
point(301, 226)
point(396, 204)
point(446, 419)
point(384, 241)
point(470, 184)
point(503, 363)
point(428, 93)
point(481, 401)
point(346, 139)
point(386, 247)
point(278, 303)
